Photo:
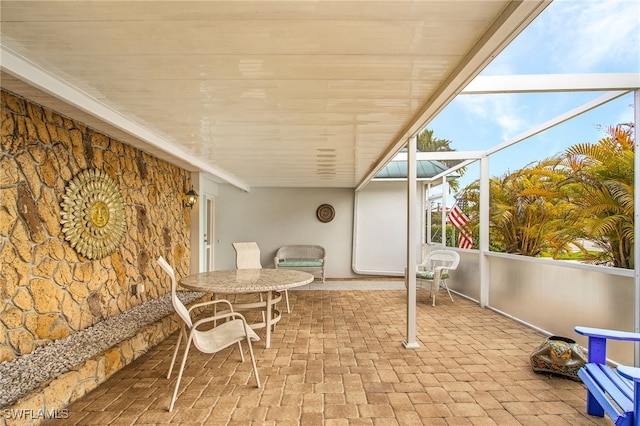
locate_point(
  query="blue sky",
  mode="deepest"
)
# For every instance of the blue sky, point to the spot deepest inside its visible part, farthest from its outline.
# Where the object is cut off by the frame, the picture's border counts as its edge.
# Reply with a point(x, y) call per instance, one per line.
point(569, 37)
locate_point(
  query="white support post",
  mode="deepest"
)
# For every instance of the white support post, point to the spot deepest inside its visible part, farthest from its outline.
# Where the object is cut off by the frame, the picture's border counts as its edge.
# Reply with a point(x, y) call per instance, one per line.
point(484, 231)
point(636, 223)
point(443, 216)
point(428, 209)
point(423, 210)
point(412, 232)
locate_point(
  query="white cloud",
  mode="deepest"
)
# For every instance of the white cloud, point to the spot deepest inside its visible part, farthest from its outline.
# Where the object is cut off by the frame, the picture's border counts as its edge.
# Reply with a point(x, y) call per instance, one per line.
point(590, 36)
point(570, 36)
point(573, 36)
point(502, 110)
point(625, 115)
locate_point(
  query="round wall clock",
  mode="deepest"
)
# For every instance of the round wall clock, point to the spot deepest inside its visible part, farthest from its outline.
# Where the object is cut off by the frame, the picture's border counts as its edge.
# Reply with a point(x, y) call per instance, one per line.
point(325, 213)
point(93, 218)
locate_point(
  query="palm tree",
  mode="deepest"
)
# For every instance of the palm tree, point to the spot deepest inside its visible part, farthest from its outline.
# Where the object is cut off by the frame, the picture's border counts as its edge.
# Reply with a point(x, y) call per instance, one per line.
point(426, 142)
point(527, 215)
point(585, 194)
point(602, 183)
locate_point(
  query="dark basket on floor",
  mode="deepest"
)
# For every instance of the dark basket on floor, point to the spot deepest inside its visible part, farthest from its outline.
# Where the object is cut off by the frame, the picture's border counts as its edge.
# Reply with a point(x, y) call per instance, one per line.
point(559, 355)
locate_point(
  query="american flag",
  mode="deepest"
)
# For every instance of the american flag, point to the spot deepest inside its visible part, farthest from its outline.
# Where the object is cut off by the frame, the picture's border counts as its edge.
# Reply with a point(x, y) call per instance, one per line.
point(459, 221)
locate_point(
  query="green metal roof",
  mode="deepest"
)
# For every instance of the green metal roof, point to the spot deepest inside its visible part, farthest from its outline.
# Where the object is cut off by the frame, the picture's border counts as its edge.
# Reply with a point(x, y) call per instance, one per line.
point(425, 169)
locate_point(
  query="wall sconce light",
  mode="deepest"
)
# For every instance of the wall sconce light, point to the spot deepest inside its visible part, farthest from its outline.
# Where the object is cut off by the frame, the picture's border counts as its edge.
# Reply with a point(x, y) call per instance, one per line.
point(192, 198)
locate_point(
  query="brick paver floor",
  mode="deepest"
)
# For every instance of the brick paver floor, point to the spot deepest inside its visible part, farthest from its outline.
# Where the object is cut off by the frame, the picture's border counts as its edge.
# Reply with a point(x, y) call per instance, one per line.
point(338, 359)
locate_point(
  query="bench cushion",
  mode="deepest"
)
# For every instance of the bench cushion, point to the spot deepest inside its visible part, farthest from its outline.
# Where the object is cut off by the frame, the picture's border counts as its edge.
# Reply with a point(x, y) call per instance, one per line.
point(428, 275)
point(301, 263)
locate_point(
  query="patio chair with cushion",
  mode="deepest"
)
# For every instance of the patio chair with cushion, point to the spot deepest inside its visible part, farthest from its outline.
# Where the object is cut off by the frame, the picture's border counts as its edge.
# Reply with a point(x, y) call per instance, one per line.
point(434, 271)
point(233, 329)
point(303, 257)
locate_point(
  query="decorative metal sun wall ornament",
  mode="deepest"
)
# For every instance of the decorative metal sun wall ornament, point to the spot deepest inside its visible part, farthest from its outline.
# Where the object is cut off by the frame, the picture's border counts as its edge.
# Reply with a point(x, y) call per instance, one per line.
point(93, 218)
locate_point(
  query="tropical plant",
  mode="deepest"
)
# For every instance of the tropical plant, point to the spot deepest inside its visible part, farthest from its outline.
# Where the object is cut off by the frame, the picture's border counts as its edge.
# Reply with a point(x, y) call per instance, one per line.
point(586, 194)
point(436, 235)
point(602, 187)
point(527, 215)
point(427, 142)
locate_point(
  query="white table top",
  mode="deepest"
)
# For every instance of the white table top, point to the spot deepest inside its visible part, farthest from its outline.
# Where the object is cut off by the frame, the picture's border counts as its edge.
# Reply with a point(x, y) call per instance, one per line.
point(246, 280)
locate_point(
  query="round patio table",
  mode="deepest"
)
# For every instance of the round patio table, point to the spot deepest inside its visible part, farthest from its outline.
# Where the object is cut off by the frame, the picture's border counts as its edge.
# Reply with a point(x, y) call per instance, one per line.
point(243, 281)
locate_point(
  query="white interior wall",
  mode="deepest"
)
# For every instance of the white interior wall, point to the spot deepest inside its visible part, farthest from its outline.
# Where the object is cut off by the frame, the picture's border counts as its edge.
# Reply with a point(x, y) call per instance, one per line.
point(380, 237)
point(274, 217)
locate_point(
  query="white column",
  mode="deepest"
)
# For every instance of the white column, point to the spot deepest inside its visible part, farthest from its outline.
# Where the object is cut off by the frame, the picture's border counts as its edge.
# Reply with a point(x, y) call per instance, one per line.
point(412, 232)
point(636, 224)
point(443, 216)
point(421, 220)
point(428, 208)
point(484, 231)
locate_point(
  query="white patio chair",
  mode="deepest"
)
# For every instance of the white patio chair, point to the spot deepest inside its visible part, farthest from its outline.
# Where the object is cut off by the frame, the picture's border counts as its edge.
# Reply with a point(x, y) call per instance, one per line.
point(434, 271)
point(208, 341)
point(248, 257)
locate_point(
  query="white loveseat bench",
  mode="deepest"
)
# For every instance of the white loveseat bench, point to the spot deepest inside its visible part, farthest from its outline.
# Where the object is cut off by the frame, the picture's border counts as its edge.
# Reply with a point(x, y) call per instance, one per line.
point(308, 258)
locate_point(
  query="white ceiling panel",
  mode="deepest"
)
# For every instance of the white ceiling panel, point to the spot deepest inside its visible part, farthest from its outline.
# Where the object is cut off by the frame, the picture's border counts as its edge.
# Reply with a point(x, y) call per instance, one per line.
point(256, 93)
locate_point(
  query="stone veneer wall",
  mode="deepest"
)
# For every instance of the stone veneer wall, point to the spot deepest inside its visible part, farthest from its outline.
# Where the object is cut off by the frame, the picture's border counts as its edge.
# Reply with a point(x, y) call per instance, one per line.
point(49, 291)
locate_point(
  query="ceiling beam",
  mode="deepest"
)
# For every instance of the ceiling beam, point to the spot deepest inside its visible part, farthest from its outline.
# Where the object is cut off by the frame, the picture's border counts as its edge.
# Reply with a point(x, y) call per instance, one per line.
point(442, 155)
point(484, 85)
